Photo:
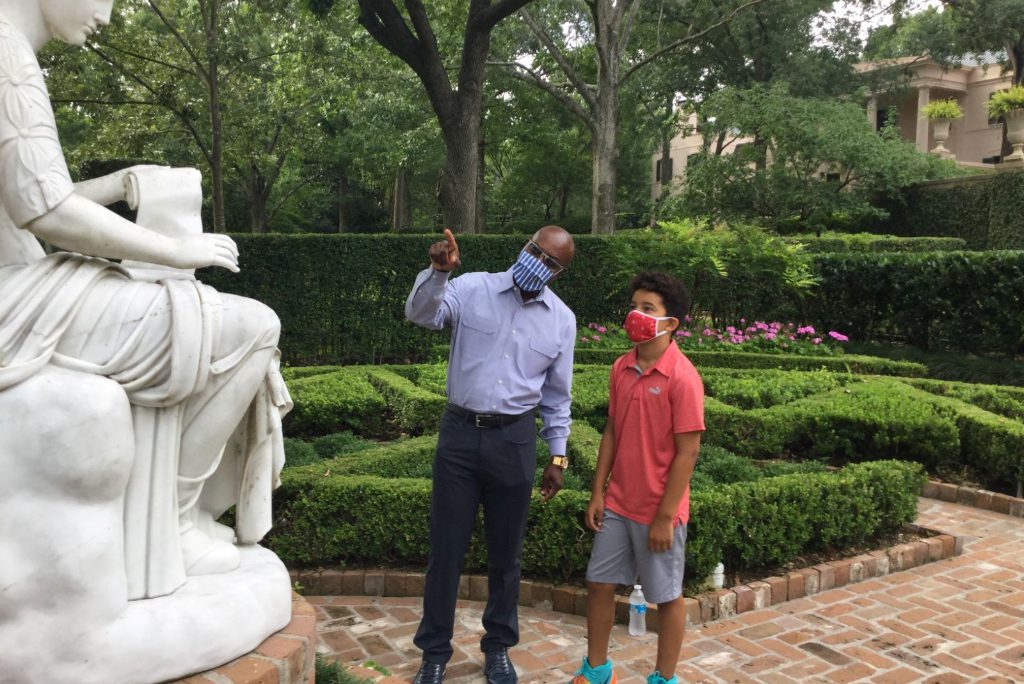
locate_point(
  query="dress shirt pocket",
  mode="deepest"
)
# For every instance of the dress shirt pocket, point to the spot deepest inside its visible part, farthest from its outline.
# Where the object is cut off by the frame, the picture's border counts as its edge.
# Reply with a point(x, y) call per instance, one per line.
point(535, 358)
point(478, 335)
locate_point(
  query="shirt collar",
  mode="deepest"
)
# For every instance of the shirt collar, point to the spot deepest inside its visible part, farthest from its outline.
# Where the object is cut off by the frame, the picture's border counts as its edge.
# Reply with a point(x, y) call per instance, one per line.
point(507, 283)
point(665, 364)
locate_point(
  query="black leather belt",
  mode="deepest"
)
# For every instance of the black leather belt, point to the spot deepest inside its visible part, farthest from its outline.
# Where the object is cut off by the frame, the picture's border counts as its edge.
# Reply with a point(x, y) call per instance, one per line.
point(487, 420)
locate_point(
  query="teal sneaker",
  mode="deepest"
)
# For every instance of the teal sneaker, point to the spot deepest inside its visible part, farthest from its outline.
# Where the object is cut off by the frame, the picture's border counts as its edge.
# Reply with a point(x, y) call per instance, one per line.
point(656, 678)
point(595, 675)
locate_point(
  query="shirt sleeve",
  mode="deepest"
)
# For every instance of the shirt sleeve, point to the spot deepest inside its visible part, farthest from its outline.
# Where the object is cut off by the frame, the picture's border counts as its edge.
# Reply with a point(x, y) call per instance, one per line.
point(556, 395)
point(34, 177)
point(433, 302)
point(688, 404)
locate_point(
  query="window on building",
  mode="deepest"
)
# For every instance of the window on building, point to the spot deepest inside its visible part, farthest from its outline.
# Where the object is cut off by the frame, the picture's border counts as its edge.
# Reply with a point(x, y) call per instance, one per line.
point(663, 170)
point(994, 159)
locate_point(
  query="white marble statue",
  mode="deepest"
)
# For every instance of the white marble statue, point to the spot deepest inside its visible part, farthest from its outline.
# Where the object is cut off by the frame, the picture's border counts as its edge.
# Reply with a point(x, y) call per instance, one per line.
point(136, 406)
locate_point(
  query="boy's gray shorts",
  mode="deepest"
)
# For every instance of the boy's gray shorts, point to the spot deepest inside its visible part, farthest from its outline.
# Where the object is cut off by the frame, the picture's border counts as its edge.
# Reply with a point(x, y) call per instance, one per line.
point(620, 555)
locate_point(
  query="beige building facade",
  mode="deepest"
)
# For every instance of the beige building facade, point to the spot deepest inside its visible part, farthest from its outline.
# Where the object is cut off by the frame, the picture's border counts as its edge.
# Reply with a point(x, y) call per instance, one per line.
point(974, 140)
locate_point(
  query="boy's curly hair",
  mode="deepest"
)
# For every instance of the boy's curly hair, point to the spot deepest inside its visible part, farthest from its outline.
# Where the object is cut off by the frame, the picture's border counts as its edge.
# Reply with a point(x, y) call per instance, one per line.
point(673, 293)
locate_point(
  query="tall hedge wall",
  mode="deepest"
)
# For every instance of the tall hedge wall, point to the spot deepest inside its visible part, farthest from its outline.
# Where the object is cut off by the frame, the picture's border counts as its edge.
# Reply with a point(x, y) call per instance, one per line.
point(341, 297)
point(986, 211)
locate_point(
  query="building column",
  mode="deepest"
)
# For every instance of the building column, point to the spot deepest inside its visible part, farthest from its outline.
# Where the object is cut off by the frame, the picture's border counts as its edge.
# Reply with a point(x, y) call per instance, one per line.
point(873, 111)
point(923, 97)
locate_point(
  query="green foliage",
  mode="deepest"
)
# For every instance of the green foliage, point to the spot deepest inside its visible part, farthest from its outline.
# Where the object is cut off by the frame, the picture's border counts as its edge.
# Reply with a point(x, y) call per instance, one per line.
point(845, 363)
point(957, 366)
point(943, 109)
point(870, 242)
point(766, 388)
point(1003, 102)
point(326, 516)
point(334, 673)
point(949, 300)
point(340, 443)
point(299, 453)
point(957, 208)
point(331, 402)
point(415, 410)
point(298, 372)
point(1006, 214)
point(778, 177)
point(333, 310)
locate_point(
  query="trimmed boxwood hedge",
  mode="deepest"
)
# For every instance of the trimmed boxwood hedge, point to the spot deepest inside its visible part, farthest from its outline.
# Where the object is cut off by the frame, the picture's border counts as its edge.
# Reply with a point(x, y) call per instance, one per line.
point(333, 310)
point(755, 413)
point(324, 515)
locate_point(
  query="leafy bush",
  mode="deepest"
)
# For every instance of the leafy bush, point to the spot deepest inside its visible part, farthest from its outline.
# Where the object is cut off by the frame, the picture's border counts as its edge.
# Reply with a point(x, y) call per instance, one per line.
point(335, 401)
point(870, 242)
point(299, 453)
point(298, 372)
point(767, 388)
point(340, 443)
point(845, 363)
point(326, 517)
point(315, 284)
point(415, 410)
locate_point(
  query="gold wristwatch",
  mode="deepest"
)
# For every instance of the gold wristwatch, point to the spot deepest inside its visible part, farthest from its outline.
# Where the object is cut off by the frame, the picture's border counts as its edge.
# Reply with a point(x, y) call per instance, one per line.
point(560, 461)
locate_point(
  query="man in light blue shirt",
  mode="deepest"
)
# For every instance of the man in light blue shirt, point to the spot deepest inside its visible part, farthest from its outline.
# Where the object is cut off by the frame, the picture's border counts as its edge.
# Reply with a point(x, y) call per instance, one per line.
point(511, 354)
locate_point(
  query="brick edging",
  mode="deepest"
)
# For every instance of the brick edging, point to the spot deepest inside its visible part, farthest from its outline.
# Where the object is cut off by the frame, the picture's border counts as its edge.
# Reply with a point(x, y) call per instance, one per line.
point(975, 498)
point(703, 608)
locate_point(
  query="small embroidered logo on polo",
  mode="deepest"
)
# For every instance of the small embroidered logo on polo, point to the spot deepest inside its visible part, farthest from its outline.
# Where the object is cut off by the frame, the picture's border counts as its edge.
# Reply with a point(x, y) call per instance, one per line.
point(654, 390)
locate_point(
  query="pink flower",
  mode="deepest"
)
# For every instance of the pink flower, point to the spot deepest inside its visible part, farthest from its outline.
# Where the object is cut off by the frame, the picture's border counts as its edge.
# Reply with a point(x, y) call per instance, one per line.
point(730, 329)
point(707, 332)
point(686, 319)
point(769, 336)
point(685, 333)
point(584, 339)
point(806, 330)
point(592, 326)
point(597, 338)
point(838, 337)
point(601, 329)
point(792, 338)
point(743, 320)
point(816, 340)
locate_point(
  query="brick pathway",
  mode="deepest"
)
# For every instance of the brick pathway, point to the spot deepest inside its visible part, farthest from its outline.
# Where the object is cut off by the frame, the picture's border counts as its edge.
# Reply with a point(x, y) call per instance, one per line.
point(957, 620)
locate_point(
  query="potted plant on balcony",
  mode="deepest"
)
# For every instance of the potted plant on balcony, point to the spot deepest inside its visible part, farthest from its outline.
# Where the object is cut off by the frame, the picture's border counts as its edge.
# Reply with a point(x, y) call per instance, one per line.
point(942, 113)
point(1009, 104)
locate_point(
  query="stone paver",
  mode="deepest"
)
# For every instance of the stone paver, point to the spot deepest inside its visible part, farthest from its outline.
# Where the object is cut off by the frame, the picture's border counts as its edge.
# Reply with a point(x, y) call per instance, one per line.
point(957, 620)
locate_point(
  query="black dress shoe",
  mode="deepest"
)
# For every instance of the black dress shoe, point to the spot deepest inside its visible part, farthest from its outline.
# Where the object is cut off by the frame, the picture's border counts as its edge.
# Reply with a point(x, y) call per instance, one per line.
point(430, 673)
point(498, 668)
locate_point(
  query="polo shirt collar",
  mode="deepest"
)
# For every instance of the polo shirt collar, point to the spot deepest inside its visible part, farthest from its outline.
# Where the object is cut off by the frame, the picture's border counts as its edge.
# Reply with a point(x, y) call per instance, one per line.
point(507, 283)
point(665, 364)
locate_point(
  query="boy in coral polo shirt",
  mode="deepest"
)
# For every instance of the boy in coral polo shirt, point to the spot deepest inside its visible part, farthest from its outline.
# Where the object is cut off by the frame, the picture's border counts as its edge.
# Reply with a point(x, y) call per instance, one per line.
point(649, 449)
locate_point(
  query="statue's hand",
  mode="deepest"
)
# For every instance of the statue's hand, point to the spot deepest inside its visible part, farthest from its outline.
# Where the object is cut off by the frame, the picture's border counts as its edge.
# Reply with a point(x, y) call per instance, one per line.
point(207, 249)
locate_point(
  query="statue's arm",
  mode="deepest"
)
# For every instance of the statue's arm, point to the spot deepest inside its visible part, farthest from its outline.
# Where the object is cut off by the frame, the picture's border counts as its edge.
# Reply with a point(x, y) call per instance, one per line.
point(81, 225)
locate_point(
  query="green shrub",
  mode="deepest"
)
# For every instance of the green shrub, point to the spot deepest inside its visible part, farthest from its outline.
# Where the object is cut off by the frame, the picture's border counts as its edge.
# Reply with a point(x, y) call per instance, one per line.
point(1003, 102)
point(400, 459)
point(322, 517)
point(298, 372)
point(844, 363)
point(335, 401)
point(298, 453)
point(339, 443)
point(317, 286)
point(414, 409)
point(766, 388)
point(947, 108)
point(724, 467)
point(870, 242)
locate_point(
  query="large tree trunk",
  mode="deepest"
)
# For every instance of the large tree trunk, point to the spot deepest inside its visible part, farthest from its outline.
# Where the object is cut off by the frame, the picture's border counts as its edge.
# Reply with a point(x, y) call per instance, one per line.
point(258, 197)
point(216, 127)
point(342, 202)
point(459, 178)
point(605, 124)
point(401, 204)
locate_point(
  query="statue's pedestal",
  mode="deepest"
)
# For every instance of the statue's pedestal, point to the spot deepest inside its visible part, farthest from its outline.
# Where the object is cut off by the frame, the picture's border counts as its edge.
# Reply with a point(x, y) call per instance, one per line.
point(287, 657)
point(210, 621)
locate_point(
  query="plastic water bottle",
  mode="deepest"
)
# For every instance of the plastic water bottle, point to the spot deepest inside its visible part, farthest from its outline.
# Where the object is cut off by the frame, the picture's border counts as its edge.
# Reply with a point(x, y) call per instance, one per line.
point(637, 612)
point(718, 576)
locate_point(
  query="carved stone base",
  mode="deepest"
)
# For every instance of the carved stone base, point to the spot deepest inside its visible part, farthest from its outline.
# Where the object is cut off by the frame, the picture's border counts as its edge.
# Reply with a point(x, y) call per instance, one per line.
point(210, 621)
point(287, 657)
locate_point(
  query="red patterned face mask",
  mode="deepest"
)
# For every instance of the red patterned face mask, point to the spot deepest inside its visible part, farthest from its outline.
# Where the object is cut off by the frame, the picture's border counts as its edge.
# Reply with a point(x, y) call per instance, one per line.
point(641, 327)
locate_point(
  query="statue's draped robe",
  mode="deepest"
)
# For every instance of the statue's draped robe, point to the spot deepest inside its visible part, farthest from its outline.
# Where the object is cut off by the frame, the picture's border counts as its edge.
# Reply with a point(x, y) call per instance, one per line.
point(156, 340)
